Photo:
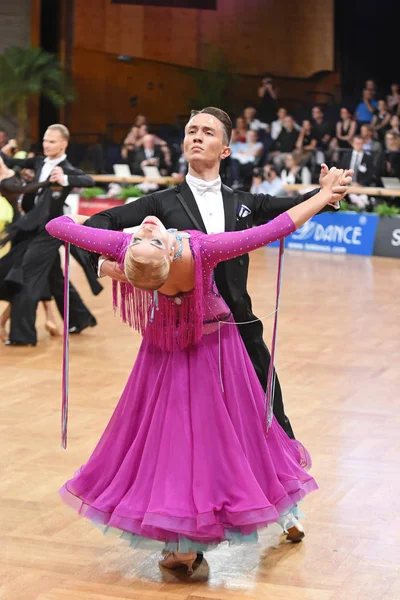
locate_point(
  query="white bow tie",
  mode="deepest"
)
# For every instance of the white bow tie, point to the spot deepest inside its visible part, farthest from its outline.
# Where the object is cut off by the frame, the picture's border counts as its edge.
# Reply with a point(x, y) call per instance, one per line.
point(203, 186)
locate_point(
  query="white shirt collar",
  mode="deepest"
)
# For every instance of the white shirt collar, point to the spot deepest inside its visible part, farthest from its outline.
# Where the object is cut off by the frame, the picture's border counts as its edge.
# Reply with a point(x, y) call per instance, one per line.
point(55, 161)
point(202, 186)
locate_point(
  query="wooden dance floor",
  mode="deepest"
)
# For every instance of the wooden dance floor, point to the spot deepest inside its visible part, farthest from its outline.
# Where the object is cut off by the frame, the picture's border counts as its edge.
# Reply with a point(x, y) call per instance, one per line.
point(338, 360)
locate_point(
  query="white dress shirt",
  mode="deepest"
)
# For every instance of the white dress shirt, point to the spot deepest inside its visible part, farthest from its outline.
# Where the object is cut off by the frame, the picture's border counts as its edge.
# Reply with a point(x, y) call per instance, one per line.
point(49, 165)
point(208, 196)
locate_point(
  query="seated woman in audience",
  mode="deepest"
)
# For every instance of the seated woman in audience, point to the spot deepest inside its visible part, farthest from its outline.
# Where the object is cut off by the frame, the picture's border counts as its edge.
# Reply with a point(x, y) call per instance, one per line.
point(381, 120)
point(293, 172)
point(390, 161)
point(246, 157)
point(395, 125)
point(393, 99)
point(345, 129)
point(242, 129)
point(306, 142)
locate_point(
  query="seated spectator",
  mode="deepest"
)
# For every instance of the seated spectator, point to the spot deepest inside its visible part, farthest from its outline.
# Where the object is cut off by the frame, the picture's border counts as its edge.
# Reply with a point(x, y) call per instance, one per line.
point(393, 99)
point(267, 181)
point(390, 162)
point(276, 126)
point(293, 172)
point(371, 145)
point(285, 142)
point(365, 109)
point(148, 155)
point(137, 131)
point(252, 122)
point(345, 129)
point(322, 129)
point(268, 99)
point(370, 85)
point(395, 124)
point(235, 144)
point(180, 166)
point(3, 138)
point(306, 141)
point(242, 129)
point(381, 120)
point(360, 161)
point(246, 158)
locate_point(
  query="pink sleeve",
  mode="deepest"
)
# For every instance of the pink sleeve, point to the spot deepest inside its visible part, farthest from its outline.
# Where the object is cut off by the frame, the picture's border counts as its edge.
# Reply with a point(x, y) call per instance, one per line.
point(223, 246)
point(100, 241)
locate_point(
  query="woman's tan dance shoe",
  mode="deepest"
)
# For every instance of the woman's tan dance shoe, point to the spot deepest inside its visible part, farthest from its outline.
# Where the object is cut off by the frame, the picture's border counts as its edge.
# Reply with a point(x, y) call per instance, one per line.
point(175, 560)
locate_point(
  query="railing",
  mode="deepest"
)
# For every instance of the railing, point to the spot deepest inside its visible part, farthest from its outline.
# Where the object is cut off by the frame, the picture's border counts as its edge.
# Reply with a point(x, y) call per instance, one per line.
point(369, 191)
point(295, 187)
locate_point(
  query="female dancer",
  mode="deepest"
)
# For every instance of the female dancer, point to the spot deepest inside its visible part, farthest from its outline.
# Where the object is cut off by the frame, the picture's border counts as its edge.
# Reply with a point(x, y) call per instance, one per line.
point(185, 458)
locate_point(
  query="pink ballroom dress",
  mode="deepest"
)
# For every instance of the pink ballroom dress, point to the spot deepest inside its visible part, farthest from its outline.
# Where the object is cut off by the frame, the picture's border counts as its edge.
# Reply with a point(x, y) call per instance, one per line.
point(186, 458)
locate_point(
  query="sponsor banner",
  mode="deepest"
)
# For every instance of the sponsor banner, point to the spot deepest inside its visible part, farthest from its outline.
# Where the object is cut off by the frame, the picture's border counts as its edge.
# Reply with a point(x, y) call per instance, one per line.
point(336, 233)
point(89, 207)
point(387, 239)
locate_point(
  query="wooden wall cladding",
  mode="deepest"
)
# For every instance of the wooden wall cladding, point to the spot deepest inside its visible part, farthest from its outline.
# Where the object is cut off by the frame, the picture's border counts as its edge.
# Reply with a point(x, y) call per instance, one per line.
point(287, 37)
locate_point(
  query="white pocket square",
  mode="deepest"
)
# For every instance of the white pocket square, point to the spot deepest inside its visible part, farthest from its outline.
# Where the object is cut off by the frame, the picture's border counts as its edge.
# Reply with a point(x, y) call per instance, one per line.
point(243, 211)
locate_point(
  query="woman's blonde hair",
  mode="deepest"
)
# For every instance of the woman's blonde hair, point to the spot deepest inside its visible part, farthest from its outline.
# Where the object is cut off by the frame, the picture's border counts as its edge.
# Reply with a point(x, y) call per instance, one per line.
point(145, 273)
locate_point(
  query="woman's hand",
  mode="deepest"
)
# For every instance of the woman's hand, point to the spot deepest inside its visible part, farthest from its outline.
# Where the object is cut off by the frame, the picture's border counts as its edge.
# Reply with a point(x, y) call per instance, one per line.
point(112, 269)
point(341, 181)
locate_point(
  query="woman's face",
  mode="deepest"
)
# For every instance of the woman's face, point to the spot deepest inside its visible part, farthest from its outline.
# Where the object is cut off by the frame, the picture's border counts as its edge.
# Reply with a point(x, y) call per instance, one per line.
point(289, 161)
point(240, 123)
point(151, 240)
point(395, 88)
point(382, 105)
point(395, 121)
point(391, 142)
point(344, 114)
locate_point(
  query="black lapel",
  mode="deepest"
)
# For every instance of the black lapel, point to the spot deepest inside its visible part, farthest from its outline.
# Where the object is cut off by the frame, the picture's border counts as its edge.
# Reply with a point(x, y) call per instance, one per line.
point(230, 207)
point(186, 198)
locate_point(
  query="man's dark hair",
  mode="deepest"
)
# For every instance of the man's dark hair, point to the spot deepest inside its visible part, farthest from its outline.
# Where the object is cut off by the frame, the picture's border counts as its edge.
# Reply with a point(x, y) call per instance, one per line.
point(222, 116)
point(273, 169)
point(358, 137)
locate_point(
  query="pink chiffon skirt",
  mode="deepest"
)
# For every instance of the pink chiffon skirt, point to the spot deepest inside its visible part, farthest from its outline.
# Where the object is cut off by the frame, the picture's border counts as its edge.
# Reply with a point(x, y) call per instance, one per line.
point(185, 459)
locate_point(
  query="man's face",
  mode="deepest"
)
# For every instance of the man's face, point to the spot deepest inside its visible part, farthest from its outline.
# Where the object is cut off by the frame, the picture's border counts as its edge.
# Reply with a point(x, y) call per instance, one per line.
point(249, 113)
point(204, 141)
point(148, 142)
point(252, 136)
point(282, 112)
point(54, 145)
point(288, 123)
point(316, 113)
point(358, 145)
point(365, 132)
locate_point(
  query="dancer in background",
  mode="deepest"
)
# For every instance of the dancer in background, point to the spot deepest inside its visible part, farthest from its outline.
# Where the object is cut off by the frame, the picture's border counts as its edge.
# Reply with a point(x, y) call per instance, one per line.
point(185, 458)
point(41, 260)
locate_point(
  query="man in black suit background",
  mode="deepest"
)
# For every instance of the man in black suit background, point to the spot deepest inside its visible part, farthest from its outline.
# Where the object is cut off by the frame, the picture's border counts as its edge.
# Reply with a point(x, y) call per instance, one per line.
point(148, 155)
point(201, 202)
point(360, 162)
point(41, 260)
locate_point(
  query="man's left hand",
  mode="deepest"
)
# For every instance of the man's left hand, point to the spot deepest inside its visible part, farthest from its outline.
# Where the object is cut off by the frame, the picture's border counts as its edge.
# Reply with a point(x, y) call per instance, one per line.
point(57, 176)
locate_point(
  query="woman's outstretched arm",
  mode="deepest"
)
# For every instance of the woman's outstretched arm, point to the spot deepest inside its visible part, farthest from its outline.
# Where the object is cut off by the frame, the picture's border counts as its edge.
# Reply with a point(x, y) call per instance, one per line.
point(224, 246)
point(101, 241)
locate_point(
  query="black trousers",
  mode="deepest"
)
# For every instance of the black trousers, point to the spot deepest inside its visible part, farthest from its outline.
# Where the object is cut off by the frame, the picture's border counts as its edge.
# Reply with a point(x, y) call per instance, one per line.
point(252, 336)
point(41, 268)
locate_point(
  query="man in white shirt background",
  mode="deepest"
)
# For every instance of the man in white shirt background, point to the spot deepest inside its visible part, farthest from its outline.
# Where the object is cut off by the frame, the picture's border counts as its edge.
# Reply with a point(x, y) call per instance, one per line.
point(41, 261)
